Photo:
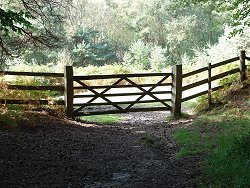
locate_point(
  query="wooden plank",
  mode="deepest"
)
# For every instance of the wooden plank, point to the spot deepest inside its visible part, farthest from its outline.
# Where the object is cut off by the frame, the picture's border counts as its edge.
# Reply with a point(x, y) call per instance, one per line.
point(248, 58)
point(42, 102)
point(46, 74)
point(194, 72)
point(195, 84)
point(224, 62)
point(194, 96)
point(224, 74)
point(218, 88)
point(43, 88)
point(95, 77)
point(120, 94)
point(123, 102)
point(124, 111)
point(121, 86)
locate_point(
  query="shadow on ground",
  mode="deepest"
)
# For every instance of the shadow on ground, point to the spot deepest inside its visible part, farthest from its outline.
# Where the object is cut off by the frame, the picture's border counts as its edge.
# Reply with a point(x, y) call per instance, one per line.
point(54, 152)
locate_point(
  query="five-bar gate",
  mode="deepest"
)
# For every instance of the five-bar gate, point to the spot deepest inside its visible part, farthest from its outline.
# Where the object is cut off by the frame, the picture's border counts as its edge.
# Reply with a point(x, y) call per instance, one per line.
point(123, 93)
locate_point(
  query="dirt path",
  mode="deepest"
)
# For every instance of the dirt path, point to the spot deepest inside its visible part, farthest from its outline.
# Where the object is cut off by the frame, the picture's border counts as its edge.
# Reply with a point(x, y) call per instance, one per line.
point(138, 152)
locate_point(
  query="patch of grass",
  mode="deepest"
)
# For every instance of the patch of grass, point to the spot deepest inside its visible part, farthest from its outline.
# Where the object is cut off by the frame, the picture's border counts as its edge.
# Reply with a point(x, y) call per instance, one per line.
point(150, 140)
point(9, 118)
point(229, 164)
point(105, 119)
point(224, 135)
point(191, 142)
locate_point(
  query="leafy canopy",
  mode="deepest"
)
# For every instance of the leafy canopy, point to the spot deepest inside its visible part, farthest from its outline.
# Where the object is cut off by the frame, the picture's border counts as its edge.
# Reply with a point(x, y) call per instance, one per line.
point(239, 10)
point(15, 21)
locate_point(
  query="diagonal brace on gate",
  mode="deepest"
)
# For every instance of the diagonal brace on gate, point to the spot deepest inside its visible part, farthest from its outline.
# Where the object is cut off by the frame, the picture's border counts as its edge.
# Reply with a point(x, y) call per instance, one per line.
point(97, 95)
point(147, 92)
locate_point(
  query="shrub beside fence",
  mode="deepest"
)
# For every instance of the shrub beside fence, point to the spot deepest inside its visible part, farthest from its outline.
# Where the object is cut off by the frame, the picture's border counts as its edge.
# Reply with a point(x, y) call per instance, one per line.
point(176, 84)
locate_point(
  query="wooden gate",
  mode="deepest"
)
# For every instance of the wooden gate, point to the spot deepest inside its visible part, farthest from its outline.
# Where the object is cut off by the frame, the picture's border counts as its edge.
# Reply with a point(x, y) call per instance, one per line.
point(121, 93)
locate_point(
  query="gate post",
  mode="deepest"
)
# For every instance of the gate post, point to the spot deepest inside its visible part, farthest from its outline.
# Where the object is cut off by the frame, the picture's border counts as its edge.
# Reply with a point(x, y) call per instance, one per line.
point(176, 90)
point(209, 84)
point(243, 67)
point(68, 91)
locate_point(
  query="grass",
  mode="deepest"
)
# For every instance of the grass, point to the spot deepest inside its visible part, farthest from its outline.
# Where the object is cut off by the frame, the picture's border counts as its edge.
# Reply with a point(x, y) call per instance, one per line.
point(223, 134)
point(150, 140)
point(9, 117)
point(105, 119)
point(192, 142)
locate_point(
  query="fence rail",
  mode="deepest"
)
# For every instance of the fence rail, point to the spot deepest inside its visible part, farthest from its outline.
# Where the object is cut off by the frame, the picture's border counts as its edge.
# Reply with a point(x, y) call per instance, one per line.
point(58, 88)
point(173, 96)
point(40, 88)
point(210, 78)
point(45, 74)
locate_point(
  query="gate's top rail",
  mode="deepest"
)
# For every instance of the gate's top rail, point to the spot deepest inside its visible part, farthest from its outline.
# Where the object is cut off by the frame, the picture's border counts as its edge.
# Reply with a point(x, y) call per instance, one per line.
point(95, 77)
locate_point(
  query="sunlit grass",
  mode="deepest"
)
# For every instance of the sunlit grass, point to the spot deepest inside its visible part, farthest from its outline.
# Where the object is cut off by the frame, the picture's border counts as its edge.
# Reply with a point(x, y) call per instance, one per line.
point(223, 134)
point(105, 119)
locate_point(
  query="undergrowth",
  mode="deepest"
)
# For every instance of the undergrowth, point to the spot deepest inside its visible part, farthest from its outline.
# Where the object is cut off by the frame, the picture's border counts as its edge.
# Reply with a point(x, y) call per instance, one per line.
point(223, 135)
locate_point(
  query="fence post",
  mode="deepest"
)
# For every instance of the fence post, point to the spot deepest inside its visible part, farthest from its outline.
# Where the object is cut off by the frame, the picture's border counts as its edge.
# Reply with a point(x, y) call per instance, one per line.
point(209, 84)
point(243, 75)
point(176, 90)
point(68, 91)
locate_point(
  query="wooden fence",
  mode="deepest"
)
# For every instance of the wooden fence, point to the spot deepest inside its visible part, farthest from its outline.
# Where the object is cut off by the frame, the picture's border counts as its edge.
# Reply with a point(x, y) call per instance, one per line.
point(241, 69)
point(169, 85)
point(59, 88)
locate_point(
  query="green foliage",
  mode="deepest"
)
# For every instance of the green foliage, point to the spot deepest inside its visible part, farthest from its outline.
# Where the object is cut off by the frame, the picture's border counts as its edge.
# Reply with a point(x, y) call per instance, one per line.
point(229, 164)
point(157, 58)
point(40, 57)
point(237, 9)
point(224, 135)
point(138, 55)
point(9, 117)
point(13, 21)
point(147, 35)
point(91, 49)
point(144, 57)
point(191, 142)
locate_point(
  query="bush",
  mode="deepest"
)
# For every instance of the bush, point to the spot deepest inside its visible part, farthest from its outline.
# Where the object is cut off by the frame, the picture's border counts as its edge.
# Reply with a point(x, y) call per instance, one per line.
point(229, 165)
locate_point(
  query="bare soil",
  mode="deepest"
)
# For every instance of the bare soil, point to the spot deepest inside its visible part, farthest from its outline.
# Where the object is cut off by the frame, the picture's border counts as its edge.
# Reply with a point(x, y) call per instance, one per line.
point(46, 151)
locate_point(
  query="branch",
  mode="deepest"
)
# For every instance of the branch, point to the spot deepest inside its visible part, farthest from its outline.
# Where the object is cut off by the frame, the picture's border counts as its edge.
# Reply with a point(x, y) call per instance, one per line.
point(4, 50)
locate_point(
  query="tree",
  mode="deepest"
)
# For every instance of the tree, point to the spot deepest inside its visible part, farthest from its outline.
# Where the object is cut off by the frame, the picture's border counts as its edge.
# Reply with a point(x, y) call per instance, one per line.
point(238, 9)
point(16, 22)
point(24, 24)
point(91, 49)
